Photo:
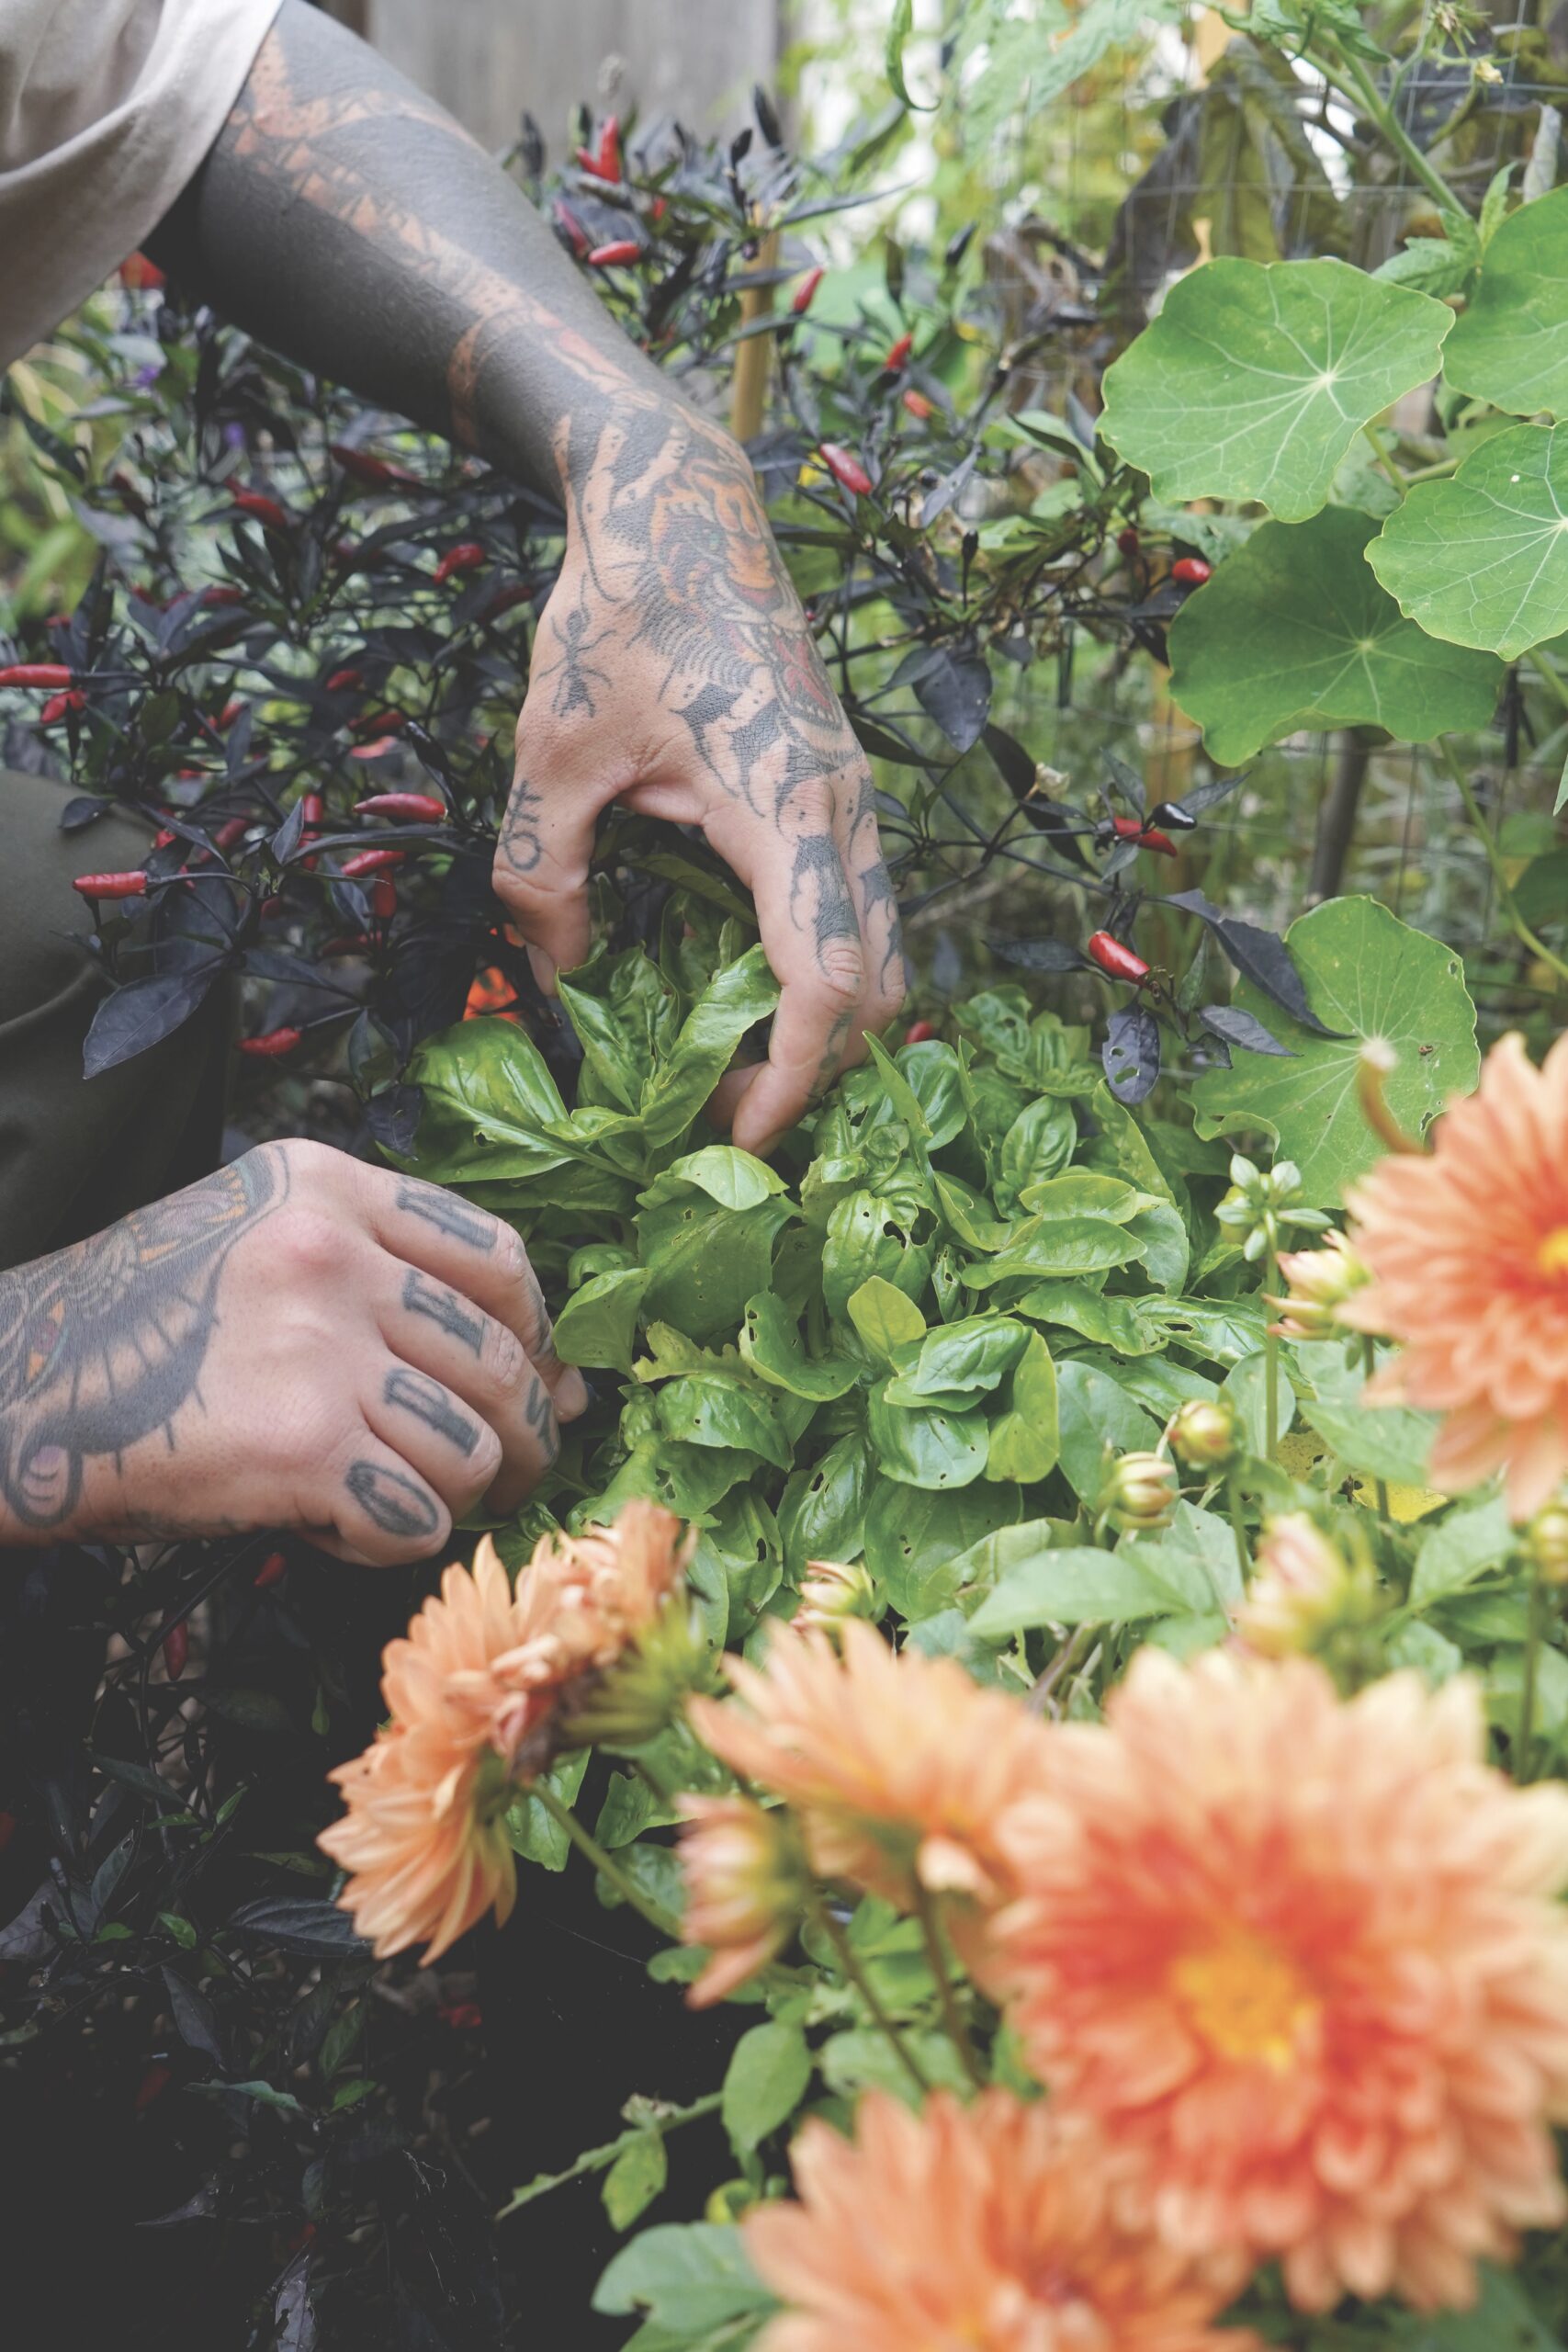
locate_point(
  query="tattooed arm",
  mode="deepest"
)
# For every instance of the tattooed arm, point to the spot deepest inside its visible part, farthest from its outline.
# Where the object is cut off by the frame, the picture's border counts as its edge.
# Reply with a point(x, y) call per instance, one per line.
point(344, 218)
point(299, 1341)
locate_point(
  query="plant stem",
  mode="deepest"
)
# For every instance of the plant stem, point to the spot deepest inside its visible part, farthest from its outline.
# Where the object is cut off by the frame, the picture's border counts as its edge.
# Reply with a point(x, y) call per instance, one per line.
point(1239, 1528)
point(626, 1888)
point(1526, 1690)
point(931, 1930)
point(1381, 452)
point(1370, 1362)
point(1494, 859)
point(1375, 108)
point(823, 1918)
point(600, 2159)
point(1271, 1353)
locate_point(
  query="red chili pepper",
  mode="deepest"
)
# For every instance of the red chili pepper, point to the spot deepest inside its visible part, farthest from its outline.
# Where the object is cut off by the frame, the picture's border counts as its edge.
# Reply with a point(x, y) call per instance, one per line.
point(380, 722)
point(899, 354)
point(165, 839)
point(576, 234)
point(919, 408)
point(1122, 961)
point(463, 2017)
point(342, 681)
point(466, 556)
point(140, 275)
point(658, 208)
point(802, 298)
point(1132, 828)
point(422, 808)
point(270, 1048)
point(845, 469)
point(384, 897)
point(621, 249)
point(518, 592)
point(919, 1030)
point(231, 833)
point(371, 861)
point(222, 596)
point(314, 809)
point(604, 160)
point(35, 673)
point(227, 715)
point(489, 991)
point(1128, 542)
point(154, 2084)
point(1190, 570)
point(366, 467)
point(111, 885)
point(271, 1571)
point(375, 750)
point(270, 908)
point(8, 1829)
point(265, 510)
point(176, 1649)
point(58, 704)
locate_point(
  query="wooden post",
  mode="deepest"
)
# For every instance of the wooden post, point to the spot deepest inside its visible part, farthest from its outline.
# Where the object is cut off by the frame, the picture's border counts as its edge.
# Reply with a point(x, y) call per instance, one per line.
point(748, 391)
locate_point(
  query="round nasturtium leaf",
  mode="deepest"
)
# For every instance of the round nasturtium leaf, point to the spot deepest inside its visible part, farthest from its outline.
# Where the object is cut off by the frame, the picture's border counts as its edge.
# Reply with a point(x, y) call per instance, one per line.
point(1511, 345)
point(1292, 632)
point(1481, 558)
point(1256, 378)
point(1372, 976)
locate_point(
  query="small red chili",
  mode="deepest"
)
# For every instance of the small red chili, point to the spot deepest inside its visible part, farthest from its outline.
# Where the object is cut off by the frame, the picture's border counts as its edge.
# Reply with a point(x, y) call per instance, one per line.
point(222, 596)
point(1128, 542)
point(154, 2084)
point(271, 1571)
point(342, 681)
point(265, 510)
point(165, 839)
point(58, 704)
point(269, 908)
point(1114, 956)
point(621, 249)
point(379, 722)
point(371, 861)
point(227, 715)
point(313, 810)
point(919, 408)
point(422, 808)
point(1132, 828)
point(575, 233)
point(463, 2017)
point(466, 556)
point(801, 301)
point(845, 469)
point(270, 1048)
point(140, 275)
point(35, 673)
point(176, 1649)
point(375, 750)
point(919, 1031)
point(604, 161)
point(1190, 572)
point(657, 209)
point(111, 885)
point(384, 897)
point(231, 833)
point(899, 354)
point(366, 467)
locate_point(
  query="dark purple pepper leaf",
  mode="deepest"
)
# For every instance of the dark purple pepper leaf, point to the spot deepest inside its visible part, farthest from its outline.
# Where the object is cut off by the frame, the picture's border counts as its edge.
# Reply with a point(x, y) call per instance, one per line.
point(142, 1012)
point(1130, 1054)
point(1239, 1028)
point(1258, 956)
point(84, 810)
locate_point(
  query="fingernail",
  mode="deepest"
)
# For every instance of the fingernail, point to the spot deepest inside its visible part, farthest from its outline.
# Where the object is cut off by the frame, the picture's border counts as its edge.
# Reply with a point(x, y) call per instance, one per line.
point(543, 969)
point(574, 1396)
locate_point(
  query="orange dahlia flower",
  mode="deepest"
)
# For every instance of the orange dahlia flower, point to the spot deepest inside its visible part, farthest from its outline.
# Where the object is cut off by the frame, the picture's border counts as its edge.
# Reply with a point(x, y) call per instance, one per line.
point(477, 1699)
point(1469, 1255)
point(990, 2226)
point(899, 1767)
point(746, 1889)
point(1302, 1956)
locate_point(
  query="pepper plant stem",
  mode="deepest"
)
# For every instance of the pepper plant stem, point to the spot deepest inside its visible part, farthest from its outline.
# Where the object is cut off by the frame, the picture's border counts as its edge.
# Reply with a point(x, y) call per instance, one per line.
point(562, 1815)
point(1516, 922)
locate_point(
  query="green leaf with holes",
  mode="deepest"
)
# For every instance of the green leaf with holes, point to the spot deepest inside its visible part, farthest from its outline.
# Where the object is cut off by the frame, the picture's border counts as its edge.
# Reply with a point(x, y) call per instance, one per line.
point(1371, 976)
point(1295, 632)
point(1256, 378)
point(1511, 345)
point(1481, 558)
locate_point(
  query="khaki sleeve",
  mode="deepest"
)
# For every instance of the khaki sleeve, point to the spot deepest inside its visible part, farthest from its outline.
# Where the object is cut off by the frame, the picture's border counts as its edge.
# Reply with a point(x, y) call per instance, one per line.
point(106, 108)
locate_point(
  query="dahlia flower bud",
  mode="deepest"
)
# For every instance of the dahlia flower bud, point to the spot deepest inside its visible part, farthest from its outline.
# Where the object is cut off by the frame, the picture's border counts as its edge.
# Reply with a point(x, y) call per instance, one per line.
point(1258, 1203)
point(1139, 1492)
point(830, 1592)
point(1202, 1433)
point(1546, 1541)
point(1305, 1593)
point(746, 1889)
point(1318, 1283)
point(645, 1690)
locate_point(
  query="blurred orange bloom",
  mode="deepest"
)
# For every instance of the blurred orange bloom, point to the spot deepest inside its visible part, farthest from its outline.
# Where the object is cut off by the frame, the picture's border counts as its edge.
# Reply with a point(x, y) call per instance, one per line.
point(899, 1767)
point(990, 2226)
point(474, 1696)
point(1469, 1255)
point(1304, 1956)
point(746, 1888)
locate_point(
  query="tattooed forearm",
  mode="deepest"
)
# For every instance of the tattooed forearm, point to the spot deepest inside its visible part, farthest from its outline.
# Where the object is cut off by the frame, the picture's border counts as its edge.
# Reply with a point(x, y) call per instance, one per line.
point(450, 1214)
point(399, 1505)
point(422, 1296)
point(411, 1392)
point(103, 1344)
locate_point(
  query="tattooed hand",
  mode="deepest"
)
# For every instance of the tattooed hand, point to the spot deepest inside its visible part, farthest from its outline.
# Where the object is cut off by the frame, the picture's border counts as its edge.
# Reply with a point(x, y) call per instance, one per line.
point(673, 669)
point(299, 1341)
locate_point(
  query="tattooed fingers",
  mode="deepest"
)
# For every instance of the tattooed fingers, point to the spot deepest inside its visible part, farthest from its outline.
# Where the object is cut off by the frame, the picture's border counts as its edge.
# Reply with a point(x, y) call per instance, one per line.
point(455, 1369)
